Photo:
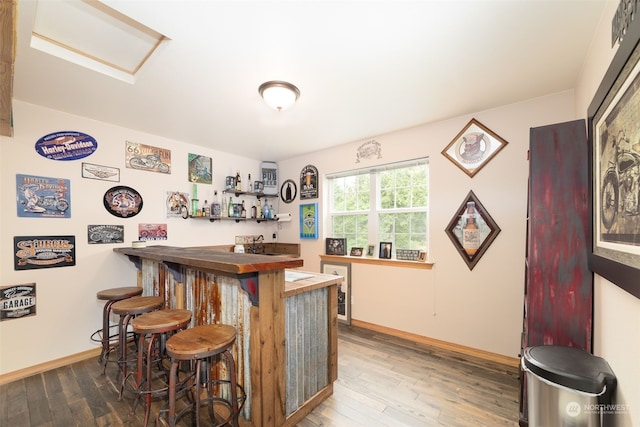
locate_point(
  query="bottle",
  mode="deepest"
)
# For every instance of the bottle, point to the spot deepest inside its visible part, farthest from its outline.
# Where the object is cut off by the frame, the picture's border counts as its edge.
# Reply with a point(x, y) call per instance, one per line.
point(230, 207)
point(238, 181)
point(243, 211)
point(253, 210)
point(470, 231)
point(215, 206)
point(265, 211)
point(259, 210)
point(224, 210)
point(206, 209)
point(250, 184)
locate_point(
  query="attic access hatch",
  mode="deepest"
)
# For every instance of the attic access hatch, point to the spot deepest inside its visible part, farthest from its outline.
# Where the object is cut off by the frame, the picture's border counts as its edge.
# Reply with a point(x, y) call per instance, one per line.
point(93, 35)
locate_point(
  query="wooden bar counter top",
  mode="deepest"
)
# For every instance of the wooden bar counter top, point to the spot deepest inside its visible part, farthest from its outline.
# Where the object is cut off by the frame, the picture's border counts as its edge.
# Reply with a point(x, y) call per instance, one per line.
point(286, 347)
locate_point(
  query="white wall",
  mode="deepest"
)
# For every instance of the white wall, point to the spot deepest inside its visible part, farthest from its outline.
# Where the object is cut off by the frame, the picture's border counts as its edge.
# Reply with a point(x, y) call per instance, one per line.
point(480, 308)
point(67, 309)
point(616, 312)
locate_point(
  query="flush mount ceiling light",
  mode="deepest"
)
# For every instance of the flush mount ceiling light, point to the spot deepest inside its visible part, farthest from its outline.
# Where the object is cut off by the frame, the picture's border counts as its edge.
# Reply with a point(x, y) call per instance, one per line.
point(279, 95)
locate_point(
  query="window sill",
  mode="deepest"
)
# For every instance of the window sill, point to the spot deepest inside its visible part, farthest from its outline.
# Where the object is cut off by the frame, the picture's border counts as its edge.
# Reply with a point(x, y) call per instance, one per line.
point(377, 261)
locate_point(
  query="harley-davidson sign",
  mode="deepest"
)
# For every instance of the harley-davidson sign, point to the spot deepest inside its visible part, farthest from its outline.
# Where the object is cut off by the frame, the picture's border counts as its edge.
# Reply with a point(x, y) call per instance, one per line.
point(17, 301)
point(66, 145)
point(44, 252)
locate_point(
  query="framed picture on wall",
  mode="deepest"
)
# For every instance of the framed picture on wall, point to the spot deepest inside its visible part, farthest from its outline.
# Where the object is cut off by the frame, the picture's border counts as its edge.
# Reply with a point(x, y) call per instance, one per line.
point(473, 147)
point(309, 221)
point(472, 230)
point(344, 289)
point(615, 161)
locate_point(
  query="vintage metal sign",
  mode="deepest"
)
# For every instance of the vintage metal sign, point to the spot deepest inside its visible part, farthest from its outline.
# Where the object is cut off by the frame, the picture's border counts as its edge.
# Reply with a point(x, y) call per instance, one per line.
point(43, 197)
point(309, 182)
point(152, 231)
point(122, 201)
point(148, 158)
point(17, 301)
point(105, 234)
point(33, 252)
point(66, 145)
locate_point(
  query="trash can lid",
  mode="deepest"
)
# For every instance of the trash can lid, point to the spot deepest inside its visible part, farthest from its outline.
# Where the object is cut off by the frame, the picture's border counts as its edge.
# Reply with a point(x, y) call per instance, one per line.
point(570, 367)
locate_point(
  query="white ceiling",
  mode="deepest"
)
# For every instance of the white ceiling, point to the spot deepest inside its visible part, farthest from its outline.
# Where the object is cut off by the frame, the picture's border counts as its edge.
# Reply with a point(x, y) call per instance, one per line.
point(364, 68)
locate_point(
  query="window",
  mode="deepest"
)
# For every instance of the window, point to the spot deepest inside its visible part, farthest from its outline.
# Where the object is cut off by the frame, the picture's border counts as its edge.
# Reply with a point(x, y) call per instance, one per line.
point(387, 203)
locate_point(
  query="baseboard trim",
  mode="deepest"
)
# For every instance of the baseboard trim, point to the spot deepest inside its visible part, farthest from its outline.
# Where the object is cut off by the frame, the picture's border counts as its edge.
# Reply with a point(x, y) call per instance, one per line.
point(47, 366)
point(513, 362)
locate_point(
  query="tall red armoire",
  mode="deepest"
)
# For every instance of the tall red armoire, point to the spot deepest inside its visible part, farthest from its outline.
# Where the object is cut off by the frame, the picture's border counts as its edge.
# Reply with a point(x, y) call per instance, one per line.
point(558, 293)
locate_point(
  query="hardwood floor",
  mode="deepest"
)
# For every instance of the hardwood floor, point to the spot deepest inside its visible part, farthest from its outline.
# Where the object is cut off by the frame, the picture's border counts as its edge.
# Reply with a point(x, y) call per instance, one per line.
point(383, 381)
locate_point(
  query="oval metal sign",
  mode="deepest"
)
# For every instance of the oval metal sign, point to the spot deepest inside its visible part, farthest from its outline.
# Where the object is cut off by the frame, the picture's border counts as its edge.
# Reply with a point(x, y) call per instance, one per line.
point(66, 145)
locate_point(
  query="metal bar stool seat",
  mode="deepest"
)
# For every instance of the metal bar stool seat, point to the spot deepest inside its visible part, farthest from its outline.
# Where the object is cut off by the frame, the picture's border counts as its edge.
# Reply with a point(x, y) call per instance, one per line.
point(154, 328)
point(104, 336)
point(127, 309)
point(205, 347)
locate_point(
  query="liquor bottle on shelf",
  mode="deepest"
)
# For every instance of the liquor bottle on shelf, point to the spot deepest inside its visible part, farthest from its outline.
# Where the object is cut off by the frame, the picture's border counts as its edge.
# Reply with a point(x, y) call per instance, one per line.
point(259, 210)
point(250, 184)
point(470, 231)
point(254, 210)
point(243, 211)
point(206, 209)
point(215, 206)
point(238, 181)
point(230, 207)
point(224, 210)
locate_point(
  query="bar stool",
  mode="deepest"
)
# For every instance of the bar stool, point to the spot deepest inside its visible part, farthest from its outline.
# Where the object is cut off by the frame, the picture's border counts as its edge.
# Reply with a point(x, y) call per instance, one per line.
point(103, 335)
point(128, 309)
point(205, 346)
point(156, 326)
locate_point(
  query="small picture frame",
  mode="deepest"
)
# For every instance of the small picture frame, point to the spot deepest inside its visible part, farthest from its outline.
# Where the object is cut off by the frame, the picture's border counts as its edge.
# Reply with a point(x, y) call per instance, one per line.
point(384, 251)
point(335, 246)
point(370, 250)
point(356, 251)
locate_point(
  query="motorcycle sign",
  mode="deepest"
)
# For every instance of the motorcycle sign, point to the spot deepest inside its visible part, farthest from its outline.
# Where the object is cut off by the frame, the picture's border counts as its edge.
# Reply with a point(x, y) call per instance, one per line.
point(43, 197)
point(146, 157)
point(621, 183)
point(122, 201)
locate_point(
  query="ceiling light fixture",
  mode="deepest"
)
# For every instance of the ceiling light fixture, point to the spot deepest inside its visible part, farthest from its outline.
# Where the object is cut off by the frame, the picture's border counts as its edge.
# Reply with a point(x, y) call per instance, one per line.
point(279, 95)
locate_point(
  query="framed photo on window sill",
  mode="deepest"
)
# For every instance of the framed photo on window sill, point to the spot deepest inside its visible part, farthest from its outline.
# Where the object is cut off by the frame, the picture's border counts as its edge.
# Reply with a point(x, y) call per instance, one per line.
point(335, 246)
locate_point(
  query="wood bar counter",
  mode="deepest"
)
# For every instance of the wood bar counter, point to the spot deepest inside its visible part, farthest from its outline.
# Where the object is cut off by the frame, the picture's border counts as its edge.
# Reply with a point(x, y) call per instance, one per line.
point(286, 350)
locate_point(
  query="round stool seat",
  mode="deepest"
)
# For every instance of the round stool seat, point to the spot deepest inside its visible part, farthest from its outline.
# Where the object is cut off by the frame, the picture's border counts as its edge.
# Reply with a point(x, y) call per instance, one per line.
point(103, 336)
point(129, 309)
point(201, 342)
point(156, 322)
point(153, 328)
point(204, 347)
point(117, 294)
point(137, 305)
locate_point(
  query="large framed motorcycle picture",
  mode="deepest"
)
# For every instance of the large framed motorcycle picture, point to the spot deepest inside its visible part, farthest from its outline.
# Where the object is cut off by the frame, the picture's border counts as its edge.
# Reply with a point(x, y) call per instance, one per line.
point(614, 136)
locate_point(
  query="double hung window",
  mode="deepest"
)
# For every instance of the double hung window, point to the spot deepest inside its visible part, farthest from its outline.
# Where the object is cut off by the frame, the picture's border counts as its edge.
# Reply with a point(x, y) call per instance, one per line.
point(387, 203)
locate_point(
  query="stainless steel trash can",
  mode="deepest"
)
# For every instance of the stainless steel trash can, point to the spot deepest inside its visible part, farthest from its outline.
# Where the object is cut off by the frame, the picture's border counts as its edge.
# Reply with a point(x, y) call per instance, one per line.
point(566, 387)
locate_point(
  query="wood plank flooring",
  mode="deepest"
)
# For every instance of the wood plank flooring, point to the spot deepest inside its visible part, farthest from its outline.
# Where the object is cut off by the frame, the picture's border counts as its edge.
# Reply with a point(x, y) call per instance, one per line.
point(383, 381)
